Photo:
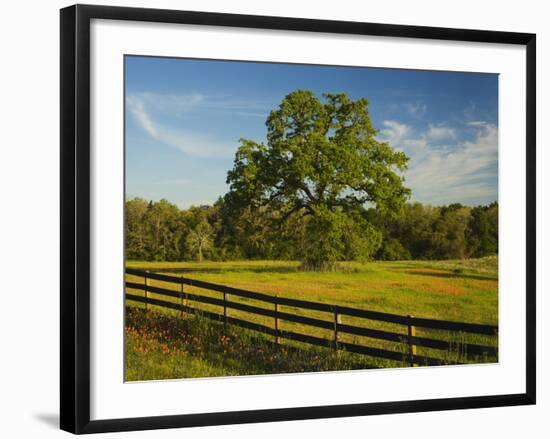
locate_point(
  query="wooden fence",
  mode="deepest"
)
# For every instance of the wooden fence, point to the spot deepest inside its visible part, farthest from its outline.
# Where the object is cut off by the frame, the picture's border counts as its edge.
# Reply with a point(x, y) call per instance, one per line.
point(408, 341)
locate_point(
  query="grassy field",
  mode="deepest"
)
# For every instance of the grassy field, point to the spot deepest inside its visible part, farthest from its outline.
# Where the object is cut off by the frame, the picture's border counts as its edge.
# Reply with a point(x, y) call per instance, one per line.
point(465, 291)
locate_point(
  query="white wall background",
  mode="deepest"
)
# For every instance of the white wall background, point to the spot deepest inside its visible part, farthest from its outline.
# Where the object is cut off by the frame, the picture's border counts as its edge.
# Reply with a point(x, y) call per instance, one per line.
point(29, 186)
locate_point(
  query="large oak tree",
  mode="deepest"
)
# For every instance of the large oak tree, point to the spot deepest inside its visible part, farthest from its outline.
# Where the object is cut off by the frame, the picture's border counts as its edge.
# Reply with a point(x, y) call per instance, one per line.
point(323, 162)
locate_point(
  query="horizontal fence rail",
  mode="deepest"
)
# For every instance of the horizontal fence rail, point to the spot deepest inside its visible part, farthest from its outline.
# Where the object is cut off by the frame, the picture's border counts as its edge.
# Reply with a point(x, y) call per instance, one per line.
point(410, 339)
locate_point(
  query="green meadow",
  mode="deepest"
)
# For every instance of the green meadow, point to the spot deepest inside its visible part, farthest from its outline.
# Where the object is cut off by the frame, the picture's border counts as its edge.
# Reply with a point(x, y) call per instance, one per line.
point(163, 344)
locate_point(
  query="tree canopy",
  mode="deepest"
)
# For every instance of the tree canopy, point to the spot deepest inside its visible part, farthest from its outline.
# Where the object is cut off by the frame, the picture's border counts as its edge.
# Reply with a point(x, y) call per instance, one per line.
point(322, 162)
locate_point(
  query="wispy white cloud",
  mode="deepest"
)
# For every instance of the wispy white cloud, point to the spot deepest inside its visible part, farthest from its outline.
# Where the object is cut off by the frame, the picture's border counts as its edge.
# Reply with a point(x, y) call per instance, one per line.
point(441, 167)
point(416, 108)
point(440, 133)
point(182, 104)
point(394, 131)
point(470, 110)
point(251, 114)
point(477, 123)
point(169, 103)
point(402, 137)
point(187, 141)
point(137, 109)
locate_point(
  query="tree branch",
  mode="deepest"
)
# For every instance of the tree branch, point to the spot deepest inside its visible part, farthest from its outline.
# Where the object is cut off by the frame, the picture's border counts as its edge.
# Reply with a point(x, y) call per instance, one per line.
point(295, 209)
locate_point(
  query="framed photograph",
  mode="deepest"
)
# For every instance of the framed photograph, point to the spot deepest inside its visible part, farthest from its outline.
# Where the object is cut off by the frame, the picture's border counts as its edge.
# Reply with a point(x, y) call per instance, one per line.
point(268, 218)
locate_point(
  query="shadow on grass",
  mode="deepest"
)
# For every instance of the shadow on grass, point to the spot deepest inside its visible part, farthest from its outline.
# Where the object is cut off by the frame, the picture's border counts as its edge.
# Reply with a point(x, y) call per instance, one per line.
point(266, 269)
point(446, 275)
point(339, 268)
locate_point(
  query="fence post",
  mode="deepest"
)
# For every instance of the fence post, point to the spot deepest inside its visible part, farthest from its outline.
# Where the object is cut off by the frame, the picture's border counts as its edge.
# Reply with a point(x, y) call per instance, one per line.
point(277, 323)
point(224, 310)
point(186, 296)
point(411, 332)
point(181, 298)
point(337, 321)
point(146, 282)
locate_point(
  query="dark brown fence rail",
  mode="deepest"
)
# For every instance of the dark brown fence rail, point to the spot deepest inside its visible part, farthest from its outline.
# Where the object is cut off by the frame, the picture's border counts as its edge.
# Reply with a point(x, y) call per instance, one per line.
point(410, 339)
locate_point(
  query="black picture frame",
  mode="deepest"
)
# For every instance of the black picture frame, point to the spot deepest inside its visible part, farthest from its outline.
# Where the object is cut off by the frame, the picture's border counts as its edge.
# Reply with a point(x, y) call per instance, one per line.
point(75, 217)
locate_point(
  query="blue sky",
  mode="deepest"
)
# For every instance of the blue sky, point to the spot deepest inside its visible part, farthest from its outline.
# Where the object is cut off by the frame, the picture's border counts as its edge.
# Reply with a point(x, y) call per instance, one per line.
point(184, 119)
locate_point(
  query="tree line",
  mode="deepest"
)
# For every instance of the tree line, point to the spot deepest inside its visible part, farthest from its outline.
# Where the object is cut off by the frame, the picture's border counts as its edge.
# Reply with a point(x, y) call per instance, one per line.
point(161, 231)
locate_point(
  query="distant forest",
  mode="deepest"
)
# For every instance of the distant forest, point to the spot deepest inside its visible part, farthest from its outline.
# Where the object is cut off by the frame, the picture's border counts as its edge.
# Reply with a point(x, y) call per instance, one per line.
point(161, 231)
